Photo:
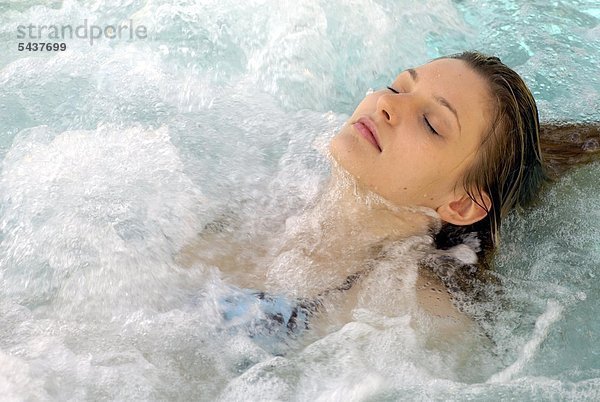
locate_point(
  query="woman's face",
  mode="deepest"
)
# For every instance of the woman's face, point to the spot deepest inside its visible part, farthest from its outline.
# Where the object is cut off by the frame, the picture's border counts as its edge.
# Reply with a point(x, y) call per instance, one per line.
point(412, 143)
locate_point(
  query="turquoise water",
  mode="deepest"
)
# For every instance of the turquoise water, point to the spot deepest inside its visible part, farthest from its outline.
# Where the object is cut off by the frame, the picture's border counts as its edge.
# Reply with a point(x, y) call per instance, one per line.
point(114, 154)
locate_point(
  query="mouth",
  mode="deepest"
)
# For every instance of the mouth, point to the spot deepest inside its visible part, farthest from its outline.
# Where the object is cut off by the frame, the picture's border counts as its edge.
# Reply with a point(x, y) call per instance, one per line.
point(366, 128)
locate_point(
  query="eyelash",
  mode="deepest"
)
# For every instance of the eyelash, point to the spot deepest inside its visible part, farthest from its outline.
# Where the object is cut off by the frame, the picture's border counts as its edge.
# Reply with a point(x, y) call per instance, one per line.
point(427, 124)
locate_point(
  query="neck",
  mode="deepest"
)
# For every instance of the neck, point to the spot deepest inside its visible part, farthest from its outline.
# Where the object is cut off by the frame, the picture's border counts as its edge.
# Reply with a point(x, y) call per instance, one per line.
point(351, 209)
point(344, 229)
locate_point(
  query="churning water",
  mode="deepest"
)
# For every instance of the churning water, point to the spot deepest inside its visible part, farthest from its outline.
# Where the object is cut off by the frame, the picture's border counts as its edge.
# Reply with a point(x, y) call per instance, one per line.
point(116, 153)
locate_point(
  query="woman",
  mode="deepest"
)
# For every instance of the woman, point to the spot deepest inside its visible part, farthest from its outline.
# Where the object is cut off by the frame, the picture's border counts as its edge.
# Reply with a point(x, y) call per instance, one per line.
point(423, 173)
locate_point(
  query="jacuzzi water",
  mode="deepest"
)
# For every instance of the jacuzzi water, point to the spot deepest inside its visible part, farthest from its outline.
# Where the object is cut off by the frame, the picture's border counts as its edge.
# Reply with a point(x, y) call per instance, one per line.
point(115, 154)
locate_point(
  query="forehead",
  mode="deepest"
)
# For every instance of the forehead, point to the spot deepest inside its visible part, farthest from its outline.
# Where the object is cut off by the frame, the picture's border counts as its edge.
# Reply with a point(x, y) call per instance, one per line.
point(466, 90)
point(454, 76)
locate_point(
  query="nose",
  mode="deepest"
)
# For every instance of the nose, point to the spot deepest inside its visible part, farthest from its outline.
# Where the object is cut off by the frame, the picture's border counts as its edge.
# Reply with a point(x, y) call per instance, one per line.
point(389, 106)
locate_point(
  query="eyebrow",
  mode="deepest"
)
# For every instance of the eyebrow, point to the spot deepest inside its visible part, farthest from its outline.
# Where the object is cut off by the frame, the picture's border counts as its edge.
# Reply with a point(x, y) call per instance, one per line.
point(441, 100)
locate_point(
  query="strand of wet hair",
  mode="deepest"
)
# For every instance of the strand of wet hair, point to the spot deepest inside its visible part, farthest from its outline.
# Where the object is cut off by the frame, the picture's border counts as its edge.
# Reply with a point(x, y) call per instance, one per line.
point(568, 145)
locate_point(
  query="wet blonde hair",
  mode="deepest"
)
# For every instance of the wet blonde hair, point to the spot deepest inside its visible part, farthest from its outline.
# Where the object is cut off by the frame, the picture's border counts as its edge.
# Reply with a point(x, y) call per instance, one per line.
point(517, 155)
point(509, 165)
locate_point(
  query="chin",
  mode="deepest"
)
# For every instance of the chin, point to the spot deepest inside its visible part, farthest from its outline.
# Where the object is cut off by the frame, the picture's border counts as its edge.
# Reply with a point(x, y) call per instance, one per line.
point(343, 148)
point(334, 148)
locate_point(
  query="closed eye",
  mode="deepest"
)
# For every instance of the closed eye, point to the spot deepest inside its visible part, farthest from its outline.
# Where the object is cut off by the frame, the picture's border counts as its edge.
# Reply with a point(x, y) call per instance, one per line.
point(429, 126)
point(425, 120)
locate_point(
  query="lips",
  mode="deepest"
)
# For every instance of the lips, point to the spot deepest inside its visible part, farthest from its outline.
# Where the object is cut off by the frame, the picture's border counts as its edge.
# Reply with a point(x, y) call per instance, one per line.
point(366, 128)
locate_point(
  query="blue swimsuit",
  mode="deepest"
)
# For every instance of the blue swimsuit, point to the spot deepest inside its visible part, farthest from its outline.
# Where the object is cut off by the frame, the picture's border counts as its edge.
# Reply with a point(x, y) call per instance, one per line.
point(271, 321)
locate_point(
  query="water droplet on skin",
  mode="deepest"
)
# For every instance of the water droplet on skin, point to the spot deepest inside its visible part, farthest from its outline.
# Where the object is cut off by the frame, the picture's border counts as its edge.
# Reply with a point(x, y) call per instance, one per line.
point(590, 145)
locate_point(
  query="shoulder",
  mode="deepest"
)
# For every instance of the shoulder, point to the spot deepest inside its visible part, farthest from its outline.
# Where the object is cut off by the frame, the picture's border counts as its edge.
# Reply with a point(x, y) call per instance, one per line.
point(457, 269)
point(434, 298)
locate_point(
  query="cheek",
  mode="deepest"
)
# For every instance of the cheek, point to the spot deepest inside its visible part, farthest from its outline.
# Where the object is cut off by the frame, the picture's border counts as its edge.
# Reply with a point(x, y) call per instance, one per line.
point(417, 175)
point(411, 156)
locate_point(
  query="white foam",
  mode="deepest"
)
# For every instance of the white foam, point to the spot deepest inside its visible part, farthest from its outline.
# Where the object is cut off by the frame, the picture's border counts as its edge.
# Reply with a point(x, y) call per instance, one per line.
point(92, 215)
point(542, 327)
point(87, 213)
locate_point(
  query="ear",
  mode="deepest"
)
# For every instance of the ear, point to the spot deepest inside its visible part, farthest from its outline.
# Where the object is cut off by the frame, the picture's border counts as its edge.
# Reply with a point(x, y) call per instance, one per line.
point(465, 211)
